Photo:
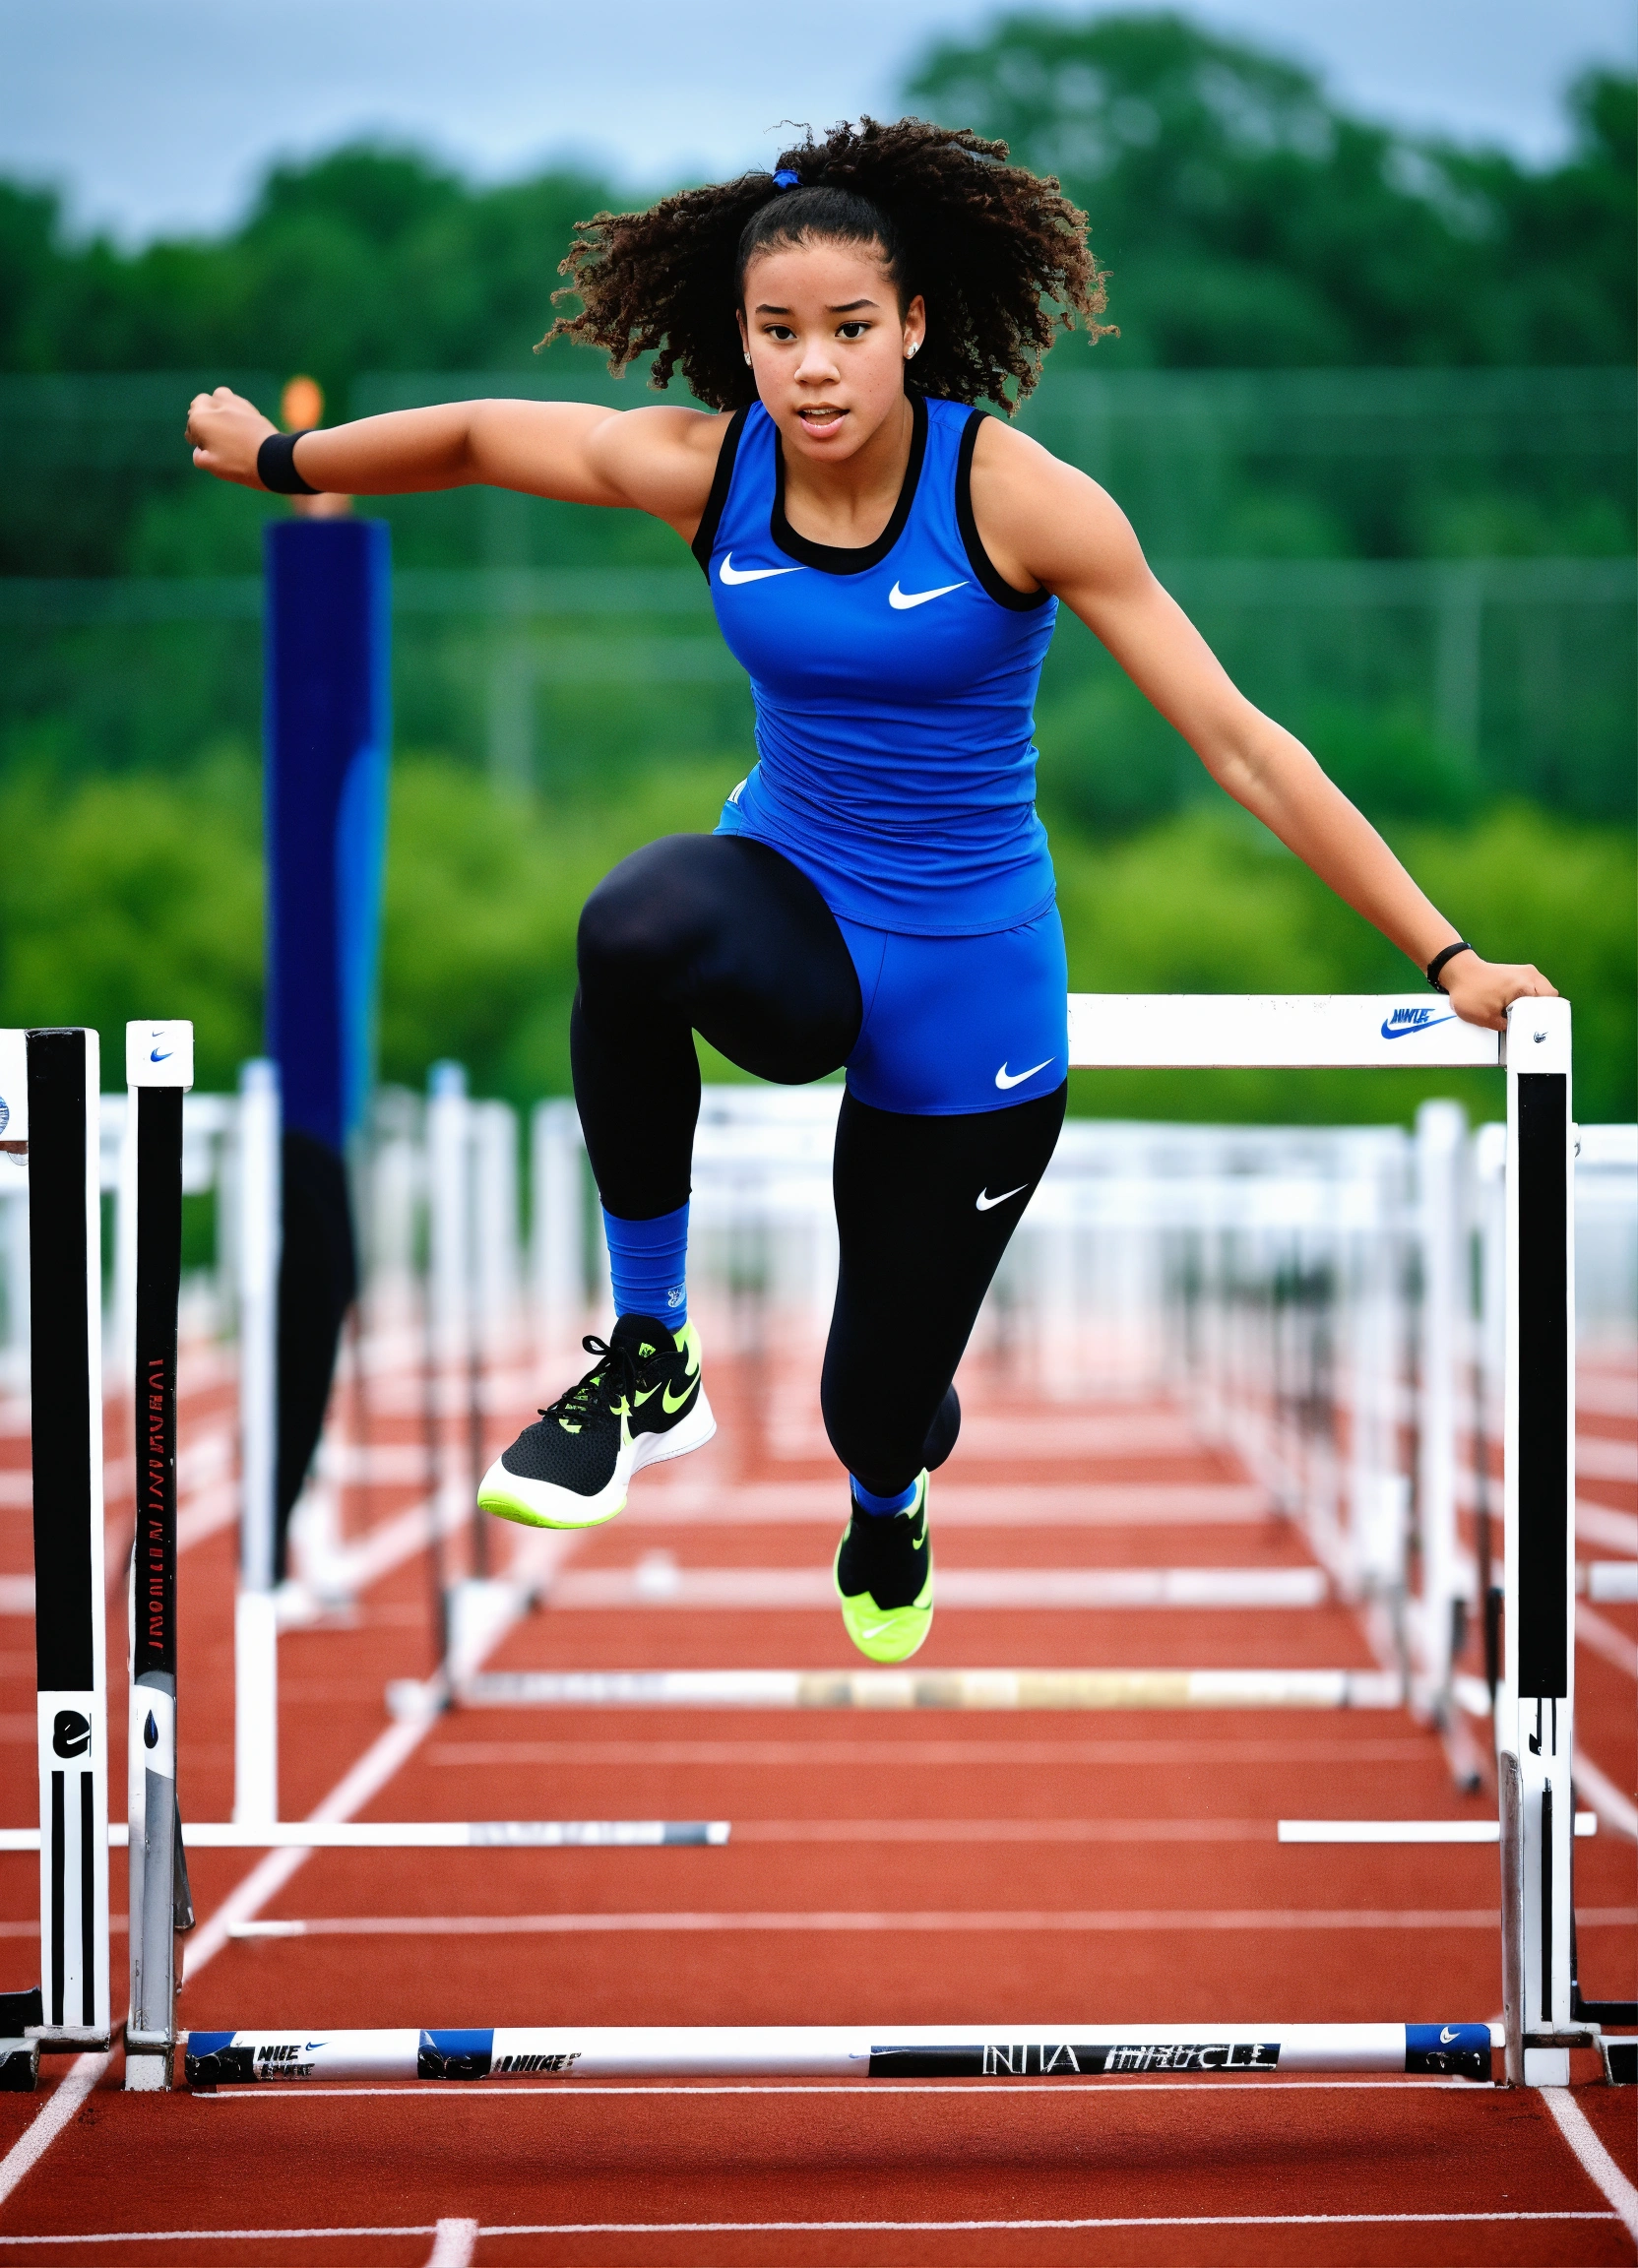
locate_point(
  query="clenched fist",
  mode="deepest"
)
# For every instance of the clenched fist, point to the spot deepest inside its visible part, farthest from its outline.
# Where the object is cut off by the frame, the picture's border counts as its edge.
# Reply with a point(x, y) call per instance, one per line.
point(226, 431)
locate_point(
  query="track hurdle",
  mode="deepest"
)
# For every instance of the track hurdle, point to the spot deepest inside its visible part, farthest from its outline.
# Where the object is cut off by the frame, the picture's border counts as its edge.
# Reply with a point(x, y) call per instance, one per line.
point(159, 1071)
point(49, 1102)
point(1533, 1720)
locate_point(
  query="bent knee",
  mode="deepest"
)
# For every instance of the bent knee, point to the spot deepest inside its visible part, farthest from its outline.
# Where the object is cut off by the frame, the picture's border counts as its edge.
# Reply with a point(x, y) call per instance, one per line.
point(638, 920)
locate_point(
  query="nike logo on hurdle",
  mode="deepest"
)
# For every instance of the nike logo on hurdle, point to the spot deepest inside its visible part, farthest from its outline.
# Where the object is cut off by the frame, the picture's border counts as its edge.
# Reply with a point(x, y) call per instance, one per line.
point(986, 1203)
point(1404, 1021)
point(899, 601)
point(155, 1055)
point(1005, 1078)
point(729, 573)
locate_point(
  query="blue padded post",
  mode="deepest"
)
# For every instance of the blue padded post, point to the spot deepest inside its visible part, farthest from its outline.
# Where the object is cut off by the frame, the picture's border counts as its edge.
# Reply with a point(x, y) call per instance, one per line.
point(328, 644)
point(327, 632)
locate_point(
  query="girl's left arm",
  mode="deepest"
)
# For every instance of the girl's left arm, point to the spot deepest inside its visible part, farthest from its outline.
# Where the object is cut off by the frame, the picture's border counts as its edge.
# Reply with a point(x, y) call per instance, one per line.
point(1042, 521)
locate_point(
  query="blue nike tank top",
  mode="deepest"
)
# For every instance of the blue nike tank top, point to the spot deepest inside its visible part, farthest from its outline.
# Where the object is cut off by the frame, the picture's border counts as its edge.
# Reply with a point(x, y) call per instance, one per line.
point(895, 691)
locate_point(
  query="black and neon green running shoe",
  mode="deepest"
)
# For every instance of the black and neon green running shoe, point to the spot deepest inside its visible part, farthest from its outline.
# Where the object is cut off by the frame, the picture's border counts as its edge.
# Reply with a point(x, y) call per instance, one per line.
point(642, 1400)
point(884, 1579)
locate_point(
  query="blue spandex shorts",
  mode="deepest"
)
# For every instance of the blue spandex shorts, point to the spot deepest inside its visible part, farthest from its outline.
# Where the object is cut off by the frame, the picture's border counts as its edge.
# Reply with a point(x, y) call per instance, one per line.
point(960, 1024)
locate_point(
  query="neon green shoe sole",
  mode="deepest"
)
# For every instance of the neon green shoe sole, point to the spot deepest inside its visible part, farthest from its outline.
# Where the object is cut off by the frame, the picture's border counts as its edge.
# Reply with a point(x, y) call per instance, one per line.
point(887, 1635)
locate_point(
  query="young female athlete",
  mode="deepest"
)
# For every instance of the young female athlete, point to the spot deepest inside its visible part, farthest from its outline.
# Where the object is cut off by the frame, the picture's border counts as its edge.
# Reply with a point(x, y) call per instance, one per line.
point(887, 562)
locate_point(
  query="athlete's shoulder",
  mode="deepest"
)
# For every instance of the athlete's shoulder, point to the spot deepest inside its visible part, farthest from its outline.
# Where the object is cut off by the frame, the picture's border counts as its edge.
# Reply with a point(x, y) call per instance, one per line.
point(664, 458)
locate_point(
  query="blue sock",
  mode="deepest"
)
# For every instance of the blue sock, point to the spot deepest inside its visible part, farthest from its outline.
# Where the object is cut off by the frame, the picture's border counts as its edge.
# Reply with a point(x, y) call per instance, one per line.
point(649, 1263)
point(882, 1507)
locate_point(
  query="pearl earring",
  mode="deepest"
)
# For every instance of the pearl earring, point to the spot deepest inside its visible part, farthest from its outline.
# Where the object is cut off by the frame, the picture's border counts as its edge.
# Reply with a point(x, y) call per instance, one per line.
point(748, 355)
point(915, 347)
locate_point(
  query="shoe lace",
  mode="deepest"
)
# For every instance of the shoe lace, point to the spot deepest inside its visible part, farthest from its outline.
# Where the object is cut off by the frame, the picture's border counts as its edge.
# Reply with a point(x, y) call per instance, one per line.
point(597, 1392)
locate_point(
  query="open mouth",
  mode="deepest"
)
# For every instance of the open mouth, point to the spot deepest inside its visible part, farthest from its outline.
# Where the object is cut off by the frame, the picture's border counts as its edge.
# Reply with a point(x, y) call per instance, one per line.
point(822, 418)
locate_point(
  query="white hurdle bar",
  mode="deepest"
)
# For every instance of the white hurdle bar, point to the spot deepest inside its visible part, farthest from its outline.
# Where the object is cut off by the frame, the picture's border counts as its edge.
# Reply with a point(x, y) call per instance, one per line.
point(1534, 1715)
point(813, 2051)
point(409, 1835)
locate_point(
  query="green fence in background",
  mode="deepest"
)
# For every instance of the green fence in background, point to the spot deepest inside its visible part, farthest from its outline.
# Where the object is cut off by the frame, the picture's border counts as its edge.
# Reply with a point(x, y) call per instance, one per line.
point(1427, 573)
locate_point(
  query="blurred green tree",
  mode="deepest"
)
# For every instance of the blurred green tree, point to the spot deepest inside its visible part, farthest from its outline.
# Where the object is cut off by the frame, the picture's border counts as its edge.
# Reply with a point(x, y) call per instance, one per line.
point(1248, 219)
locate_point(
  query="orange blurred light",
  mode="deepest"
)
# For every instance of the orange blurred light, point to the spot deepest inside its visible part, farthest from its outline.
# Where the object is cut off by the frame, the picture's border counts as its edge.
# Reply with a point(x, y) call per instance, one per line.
point(302, 405)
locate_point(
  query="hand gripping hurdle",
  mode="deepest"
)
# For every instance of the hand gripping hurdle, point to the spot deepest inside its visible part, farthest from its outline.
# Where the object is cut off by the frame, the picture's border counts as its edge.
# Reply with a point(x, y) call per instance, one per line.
point(1534, 1733)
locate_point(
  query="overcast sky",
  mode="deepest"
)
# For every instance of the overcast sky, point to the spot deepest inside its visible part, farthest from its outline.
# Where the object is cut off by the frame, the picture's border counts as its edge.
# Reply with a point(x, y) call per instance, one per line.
point(158, 115)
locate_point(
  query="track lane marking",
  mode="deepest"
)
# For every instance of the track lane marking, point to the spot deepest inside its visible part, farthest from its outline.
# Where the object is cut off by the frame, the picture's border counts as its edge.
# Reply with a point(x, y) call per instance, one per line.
point(60, 2107)
point(757, 2228)
point(1596, 2161)
point(453, 2244)
point(850, 1919)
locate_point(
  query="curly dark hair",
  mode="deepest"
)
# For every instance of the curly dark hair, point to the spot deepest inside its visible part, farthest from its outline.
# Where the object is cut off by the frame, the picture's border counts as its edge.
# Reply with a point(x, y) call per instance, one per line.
point(998, 254)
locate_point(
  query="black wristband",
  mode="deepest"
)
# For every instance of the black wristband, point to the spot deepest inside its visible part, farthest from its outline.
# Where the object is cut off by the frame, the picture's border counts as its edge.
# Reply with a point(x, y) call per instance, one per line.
point(275, 465)
point(1440, 959)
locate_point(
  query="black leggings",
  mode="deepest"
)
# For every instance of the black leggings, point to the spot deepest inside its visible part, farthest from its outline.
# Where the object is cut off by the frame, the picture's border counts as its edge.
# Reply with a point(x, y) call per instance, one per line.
point(721, 935)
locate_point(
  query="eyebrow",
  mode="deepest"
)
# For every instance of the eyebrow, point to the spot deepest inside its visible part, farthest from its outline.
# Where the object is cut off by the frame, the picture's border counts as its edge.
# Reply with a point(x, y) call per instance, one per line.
point(845, 308)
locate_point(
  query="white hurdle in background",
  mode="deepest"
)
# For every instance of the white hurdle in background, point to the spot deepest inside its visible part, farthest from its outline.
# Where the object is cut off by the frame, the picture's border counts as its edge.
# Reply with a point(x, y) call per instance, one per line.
point(258, 1212)
point(1533, 1716)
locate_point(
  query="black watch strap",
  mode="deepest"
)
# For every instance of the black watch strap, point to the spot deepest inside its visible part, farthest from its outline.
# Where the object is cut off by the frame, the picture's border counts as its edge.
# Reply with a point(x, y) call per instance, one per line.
point(275, 465)
point(1436, 965)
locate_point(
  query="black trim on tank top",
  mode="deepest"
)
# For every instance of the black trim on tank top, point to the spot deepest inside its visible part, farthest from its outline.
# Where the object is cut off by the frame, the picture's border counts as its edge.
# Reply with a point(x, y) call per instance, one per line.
point(846, 558)
point(1004, 593)
point(705, 534)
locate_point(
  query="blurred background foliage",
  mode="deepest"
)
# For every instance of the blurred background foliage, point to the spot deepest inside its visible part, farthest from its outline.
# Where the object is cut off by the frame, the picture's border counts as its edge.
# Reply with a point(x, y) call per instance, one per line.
point(1370, 410)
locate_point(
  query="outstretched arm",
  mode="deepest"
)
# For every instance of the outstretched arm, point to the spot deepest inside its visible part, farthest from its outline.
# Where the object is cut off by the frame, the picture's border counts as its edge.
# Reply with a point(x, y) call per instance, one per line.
point(1045, 522)
point(657, 460)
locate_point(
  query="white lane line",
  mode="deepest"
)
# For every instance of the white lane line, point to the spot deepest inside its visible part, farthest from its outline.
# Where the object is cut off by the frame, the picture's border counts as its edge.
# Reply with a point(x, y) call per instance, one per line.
point(1596, 2161)
point(798, 2228)
point(1615, 1809)
point(1603, 1637)
point(1598, 1457)
point(59, 2106)
point(977, 1918)
point(1610, 1531)
point(453, 2244)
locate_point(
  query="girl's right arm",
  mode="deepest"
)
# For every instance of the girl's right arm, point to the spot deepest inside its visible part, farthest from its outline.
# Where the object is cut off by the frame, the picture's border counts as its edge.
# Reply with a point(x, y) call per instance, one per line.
point(657, 459)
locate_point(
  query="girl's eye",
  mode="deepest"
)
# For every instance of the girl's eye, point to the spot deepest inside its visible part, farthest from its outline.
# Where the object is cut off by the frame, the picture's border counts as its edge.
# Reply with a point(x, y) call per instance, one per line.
point(781, 332)
point(853, 330)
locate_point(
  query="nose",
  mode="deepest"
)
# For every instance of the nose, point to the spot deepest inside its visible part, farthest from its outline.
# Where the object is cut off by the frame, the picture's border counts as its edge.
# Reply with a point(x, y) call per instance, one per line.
point(817, 365)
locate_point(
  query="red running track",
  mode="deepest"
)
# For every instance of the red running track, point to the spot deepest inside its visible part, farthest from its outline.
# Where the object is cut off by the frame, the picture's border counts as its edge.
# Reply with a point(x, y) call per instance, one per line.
point(1116, 1866)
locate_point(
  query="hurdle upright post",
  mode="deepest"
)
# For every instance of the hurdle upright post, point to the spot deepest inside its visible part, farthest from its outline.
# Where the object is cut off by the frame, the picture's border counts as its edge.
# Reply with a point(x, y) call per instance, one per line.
point(158, 1070)
point(255, 1611)
point(1441, 1211)
point(65, 1385)
point(1535, 1721)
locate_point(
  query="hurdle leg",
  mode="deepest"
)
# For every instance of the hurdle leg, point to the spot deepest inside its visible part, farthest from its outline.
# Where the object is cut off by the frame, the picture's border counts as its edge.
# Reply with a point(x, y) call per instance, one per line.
point(65, 1290)
point(1535, 1713)
point(159, 1068)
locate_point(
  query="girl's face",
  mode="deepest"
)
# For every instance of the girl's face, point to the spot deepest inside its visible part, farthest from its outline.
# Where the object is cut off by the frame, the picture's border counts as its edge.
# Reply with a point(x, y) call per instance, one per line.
point(827, 343)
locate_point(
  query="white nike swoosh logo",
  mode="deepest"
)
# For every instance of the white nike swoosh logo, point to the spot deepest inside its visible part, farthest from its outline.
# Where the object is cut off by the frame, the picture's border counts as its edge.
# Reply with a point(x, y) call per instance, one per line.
point(1446, 2035)
point(988, 1203)
point(729, 573)
point(1004, 1079)
point(900, 600)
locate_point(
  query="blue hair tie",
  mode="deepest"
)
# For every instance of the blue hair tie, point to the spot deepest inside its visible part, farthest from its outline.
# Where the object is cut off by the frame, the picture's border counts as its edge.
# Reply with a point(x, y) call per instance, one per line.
point(786, 179)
